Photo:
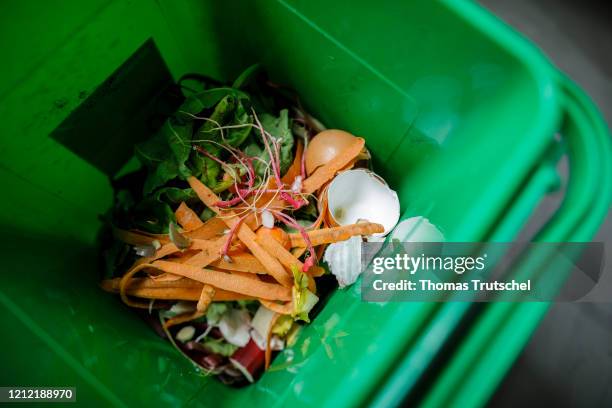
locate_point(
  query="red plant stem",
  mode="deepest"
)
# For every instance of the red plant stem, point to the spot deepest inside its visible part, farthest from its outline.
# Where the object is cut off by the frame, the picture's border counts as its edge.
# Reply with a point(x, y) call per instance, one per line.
point(230, 236)
point(296, 204)
point(210, 156)
point(251, 172)
point(310, 261)
point(264, 190)
point(243, 193)
point(248, 165)
point(233, 201)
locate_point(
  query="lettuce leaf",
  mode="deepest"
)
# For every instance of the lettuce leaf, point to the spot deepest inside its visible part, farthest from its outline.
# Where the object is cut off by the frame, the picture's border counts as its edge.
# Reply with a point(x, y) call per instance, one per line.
point(219, 346)
point(152, 215)
point(167, 154)
point(283, 325)
point(175, 195)
point(303, 299)
point(280, 128)
point(215, 311)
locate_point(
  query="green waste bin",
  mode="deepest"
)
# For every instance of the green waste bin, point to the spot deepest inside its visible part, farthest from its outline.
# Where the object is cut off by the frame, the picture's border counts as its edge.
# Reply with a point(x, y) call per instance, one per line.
point(460, 114)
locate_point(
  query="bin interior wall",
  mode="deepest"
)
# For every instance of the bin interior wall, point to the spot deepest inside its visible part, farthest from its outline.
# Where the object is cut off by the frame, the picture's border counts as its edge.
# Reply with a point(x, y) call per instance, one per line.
point(453, 116)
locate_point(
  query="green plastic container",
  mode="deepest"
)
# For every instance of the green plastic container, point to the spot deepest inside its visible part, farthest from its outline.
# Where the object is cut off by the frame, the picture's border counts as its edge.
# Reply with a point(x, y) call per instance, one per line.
point(459, 113)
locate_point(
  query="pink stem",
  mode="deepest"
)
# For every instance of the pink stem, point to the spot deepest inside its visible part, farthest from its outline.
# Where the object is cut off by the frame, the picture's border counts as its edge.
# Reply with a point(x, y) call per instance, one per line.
point(310, 261)
point(230, 236)
point(296, 204)
point(210, 156)
point(263, 190)
point(251, 171)
point(249, 165)
point(233, 201)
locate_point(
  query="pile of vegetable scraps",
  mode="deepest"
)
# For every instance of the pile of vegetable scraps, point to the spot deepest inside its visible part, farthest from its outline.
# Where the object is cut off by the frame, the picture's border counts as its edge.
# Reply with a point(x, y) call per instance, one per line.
point(218, 235)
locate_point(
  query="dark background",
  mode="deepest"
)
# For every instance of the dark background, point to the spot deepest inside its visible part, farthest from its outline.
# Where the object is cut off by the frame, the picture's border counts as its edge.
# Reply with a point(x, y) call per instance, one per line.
point(568, 362)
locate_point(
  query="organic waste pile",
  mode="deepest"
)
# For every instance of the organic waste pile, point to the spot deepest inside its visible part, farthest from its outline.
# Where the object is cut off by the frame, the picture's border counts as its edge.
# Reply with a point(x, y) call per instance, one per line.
point(220, 231)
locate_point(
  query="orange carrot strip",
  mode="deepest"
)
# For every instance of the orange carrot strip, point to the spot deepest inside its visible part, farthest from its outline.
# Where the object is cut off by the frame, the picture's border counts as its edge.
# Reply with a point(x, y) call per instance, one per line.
point(312, 284)
point(187, 294)
point(208, 248)
point(299, 251)
point(226, 295)
point(295, 169)
point(276, 249)
point(245, 234)
point(329, 170)
point(336, 234)
point(316, 270)
point(183, 256)
point(322, 208)
point(187, 218)
point(212, 228)
point(246, 275)
point(268, 355)
point(137, 238)
point(206, 297)
point(282, 308)
point(165, 250)
point(185, 289)
point(124, 283)
point(200, 260)
point(112, 285)
point(183, 318)
point(208, 255)
point(233, 283)
point(243, 262)
point(215, 226)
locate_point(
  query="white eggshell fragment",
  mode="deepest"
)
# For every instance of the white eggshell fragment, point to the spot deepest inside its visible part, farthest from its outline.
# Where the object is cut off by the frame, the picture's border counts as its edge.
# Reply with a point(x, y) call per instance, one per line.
point(344, 260)
point(361, 195)
point(417, 229)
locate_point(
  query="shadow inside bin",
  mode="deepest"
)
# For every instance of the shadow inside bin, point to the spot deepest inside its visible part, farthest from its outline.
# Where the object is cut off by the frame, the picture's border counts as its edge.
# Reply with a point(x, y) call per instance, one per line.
point(129, 106)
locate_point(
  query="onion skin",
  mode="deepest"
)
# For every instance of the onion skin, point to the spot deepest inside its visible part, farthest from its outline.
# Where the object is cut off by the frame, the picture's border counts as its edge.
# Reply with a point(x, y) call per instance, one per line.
point(325, 146)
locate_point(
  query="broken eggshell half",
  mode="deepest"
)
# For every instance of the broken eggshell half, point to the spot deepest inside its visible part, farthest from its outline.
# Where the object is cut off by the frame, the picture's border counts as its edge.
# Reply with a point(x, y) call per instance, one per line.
point(361, 195)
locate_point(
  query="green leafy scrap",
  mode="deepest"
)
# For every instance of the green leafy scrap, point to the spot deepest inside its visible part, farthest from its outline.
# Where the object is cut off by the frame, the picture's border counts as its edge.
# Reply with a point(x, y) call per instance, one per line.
point(170, 156)
point(303, 299)
point(215, 311)
point(219, 346)
point(152, 215)
point(278, 127)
